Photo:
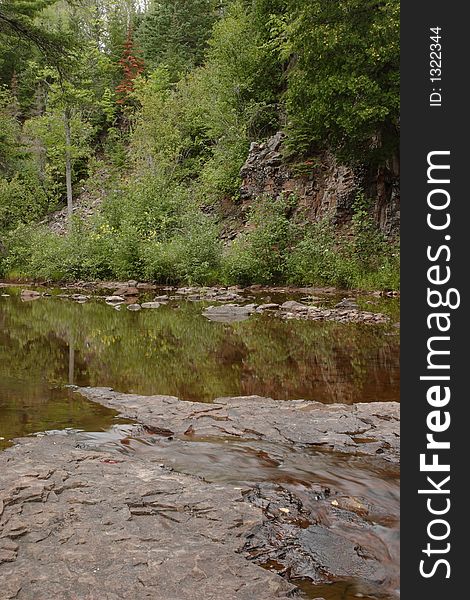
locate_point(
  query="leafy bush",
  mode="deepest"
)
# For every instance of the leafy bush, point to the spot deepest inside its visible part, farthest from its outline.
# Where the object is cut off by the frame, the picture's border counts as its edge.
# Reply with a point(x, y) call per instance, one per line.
point(259, 255)
point(365, 259)
point(343, 76)
point(22, 200)
point(316, 258)
point(280, 248)
point(192, 258)
point(147, 230)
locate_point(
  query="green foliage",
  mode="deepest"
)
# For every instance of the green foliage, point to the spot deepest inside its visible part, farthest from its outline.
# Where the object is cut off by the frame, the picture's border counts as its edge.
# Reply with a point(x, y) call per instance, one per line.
point(280, 248)
point(47, 132)
point(363, 260)
point(260, 254)
point(202, 126)
point(18, 22)
point(317, 259)
point(343, 75)
point(173, 136)
point(149, 230)
point(192, 257)
point(9, 134)
point(22, 200)
point(175, 34)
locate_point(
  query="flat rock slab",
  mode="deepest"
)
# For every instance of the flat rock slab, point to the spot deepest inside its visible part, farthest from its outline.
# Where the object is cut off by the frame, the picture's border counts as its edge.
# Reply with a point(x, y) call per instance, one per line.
point(87, 522)
point(364, 428)
point(78, 524)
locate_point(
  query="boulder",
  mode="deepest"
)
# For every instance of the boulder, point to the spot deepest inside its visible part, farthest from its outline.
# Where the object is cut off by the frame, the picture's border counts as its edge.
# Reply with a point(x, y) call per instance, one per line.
point(28, 295)
point(114, 300)
point(150, 304)
point(267, 306)
point(293, 306)
point(79, 298)
point(126, 291)
point(347, 303)
point(146, 287)
point(229, 313)
point(31, 293)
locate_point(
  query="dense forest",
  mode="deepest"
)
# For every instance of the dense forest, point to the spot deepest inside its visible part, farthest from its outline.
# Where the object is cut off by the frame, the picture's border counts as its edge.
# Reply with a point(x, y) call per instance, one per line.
point(144, 111)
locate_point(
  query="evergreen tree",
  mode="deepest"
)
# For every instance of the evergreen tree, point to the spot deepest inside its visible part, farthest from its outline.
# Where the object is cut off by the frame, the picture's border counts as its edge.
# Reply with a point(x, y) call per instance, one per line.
point(343, 75)
point(18, 20)
point(175, 34)
point(132, 66)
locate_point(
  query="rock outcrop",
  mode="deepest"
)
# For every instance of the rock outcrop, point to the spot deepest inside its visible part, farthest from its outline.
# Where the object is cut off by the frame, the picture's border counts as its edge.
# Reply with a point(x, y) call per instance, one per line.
point(371, 428)
point(323, 186)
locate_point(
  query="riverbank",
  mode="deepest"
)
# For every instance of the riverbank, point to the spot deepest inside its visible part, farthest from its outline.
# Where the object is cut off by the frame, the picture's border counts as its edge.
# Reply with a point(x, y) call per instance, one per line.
point(233, 303)
point(146, 515)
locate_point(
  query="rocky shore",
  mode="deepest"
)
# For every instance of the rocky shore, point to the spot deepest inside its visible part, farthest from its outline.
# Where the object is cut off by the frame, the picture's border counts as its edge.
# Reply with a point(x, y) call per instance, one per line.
point(226, 304)
point(81, 519)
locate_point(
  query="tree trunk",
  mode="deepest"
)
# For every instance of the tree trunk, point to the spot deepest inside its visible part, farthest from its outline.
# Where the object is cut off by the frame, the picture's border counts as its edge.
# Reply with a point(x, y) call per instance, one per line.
point(68, 164)
point(71, 361)
point(39, 149)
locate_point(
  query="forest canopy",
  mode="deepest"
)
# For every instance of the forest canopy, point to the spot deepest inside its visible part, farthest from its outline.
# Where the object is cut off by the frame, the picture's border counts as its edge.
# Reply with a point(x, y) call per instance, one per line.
point(150, 107)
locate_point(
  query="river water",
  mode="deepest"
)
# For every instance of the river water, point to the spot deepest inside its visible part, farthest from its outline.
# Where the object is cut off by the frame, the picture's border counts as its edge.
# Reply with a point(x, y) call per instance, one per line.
point(49, 343)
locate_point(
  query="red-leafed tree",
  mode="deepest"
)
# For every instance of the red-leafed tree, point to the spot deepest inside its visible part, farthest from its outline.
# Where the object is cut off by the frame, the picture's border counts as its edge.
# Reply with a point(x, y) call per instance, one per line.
point(132, 66)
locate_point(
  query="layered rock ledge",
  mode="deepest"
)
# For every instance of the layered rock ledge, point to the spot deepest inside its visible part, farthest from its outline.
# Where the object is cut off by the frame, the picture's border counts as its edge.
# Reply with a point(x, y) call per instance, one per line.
point(368, 428)
point(83, 522)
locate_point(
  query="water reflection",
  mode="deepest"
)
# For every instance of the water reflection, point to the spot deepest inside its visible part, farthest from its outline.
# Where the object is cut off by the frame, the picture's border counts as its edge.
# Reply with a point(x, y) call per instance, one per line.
point(173, 350)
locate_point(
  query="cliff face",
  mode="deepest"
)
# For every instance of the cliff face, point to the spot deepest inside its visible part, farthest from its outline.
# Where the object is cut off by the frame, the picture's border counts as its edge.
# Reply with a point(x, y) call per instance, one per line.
point(323, 185)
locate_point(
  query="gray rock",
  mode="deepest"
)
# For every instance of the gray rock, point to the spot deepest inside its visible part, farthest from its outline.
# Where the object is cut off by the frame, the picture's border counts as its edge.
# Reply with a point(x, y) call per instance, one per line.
point(94, 518)
point(81, 523)
point(79, 298)
point(228, 313)
point(150, 304)
point(293, 306)
point(347, 303)
point(267, 174)
point(340, 427)
point(146, 287)
point(29, 295)
point(127, 291)
point(133, 307)
point(267, 306)
point(114, 300)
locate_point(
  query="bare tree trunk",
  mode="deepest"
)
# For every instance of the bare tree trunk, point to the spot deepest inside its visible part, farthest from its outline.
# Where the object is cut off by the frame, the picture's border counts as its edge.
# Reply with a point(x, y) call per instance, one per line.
point(68, 164)
point(71, 361)
point(38, 147)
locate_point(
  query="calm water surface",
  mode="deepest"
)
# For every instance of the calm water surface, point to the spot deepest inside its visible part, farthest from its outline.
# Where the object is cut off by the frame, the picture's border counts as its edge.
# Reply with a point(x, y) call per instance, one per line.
point(48, 343)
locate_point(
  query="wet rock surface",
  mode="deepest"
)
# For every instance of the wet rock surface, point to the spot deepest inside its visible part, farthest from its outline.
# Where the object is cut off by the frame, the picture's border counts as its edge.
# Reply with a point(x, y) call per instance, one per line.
point(323, 535)
point(370, 429)
point(78, 516)
point(88, 524)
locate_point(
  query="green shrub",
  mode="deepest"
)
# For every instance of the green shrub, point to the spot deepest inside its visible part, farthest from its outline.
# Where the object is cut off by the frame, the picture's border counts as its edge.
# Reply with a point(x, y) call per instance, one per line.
point(193, 259)
point(259, 256)
point(21, 201)
point(365, 259)
point(317, 258)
